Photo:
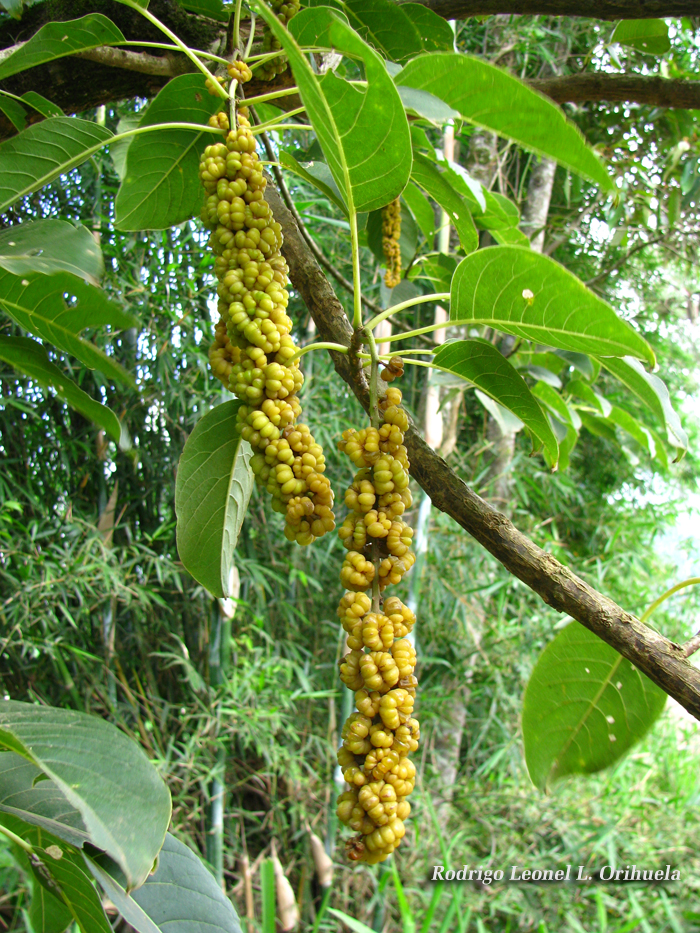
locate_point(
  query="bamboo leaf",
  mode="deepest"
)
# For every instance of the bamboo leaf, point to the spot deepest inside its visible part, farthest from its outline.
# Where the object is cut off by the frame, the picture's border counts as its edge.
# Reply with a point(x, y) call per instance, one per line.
point(584, 707)
point(212, 490)
point(42, 152)
point(482, 364)
point(123, 803)
point(58, 308)
point(30, 358)
point(56, 40)
point(531, 296)
point(363, 132)
point(491, 98)
point(161, 185)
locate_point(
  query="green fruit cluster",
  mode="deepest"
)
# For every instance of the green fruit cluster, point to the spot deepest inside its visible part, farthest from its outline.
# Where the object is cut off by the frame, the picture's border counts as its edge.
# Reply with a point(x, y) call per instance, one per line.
point(253, 347)
point(391, 235)
point(381, 661)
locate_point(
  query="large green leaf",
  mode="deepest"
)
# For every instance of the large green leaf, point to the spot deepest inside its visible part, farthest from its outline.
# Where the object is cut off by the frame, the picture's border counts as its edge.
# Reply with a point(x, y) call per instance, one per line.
point(491, 98)
point(644, 35)
point(398, 32)
point(181, 897)
point(30, 358)
point(317, 174)
point(427, 176)
point(51, 246)
point(63, 885)
point(55, 40)
point(42, 152)
point(531, 296)
point(161, 185)
point(652, 391)
point(631, 426)
point(584, 707)
point(123, 802)
point(28, 796)
point(483, 365)
point(57, 308)
point(363, 132)
point(212, 490)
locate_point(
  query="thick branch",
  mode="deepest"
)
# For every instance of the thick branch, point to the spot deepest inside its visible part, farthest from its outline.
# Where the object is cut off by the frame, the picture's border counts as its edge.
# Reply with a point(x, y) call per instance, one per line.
point(637, 89)
point(595, 9)
point(660, 659)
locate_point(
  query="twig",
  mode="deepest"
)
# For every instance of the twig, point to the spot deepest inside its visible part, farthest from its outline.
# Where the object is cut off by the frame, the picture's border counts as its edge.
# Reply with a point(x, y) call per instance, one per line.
point(623, 259)
point(690, 647)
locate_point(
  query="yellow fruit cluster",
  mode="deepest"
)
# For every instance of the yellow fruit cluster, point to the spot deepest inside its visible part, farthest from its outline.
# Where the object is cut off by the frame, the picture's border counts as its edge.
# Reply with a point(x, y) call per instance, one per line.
point(391, 235)
point(253, 345)
point(379, 667)
point(284, 10)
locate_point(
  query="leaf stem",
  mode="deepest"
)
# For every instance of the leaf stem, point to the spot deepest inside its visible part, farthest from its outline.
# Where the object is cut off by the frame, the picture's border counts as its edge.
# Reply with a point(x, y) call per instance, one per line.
point(280, 126)
point(237, 26)
point(693, 581)
point(251, 37)
point(426, 330)
point(272, 95)
point(421, 299)
point(356, 282)
point(18, 841)
point(317, 346)
point(179, 43)
point(175, 48)
point(270, 124)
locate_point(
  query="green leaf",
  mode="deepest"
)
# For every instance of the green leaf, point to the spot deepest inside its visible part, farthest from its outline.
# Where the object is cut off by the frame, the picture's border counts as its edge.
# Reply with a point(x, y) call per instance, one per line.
point(57, 308)
point(491, 98)
point(181, 897)
point(435, 268)
point(317, 174)
point(161, 185)
point(214, 9)
point(13, 7)
point(582, 390)
point(355, 925)
point(30, 358)
point(27, 796)
point(531, 296)
point(507, 422)
point(397, 32)
point(589, 368)
point(652, 391)
point(553, 400)
point(483, 365)
point(408, 239)
point(310, 27)
point(426, 106)
point(212, 490)
point(42, 152)
point(47, 914)
point(584, 707)
point(421, 209)
point(56, 40)
point(428, 177)
point(51, 246)
point(631, 426)
point(644, 35)
point(363, 133)
point(60, 870)
point(601, 427)
point(42, 105)
point(119, 149)
point(14, 111)
point(123, 803)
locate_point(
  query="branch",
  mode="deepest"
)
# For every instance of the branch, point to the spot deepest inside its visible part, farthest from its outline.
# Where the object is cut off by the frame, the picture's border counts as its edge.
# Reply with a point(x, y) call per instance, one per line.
point(595, 9)
point(637, 89)
point(162, 65)
point(661, 660)
point(623, 259)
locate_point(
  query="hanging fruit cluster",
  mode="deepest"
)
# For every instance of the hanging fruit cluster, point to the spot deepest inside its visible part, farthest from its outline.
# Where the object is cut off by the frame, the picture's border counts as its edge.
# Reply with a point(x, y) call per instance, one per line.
point(284, 10)
point(391, 235)
point(253, 345)
point(379, 736)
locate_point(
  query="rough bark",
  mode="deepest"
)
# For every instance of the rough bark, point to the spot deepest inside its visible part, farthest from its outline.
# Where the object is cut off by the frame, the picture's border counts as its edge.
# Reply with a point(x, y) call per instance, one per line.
point(660, 659)
point(599, 9)
point(637, 89)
